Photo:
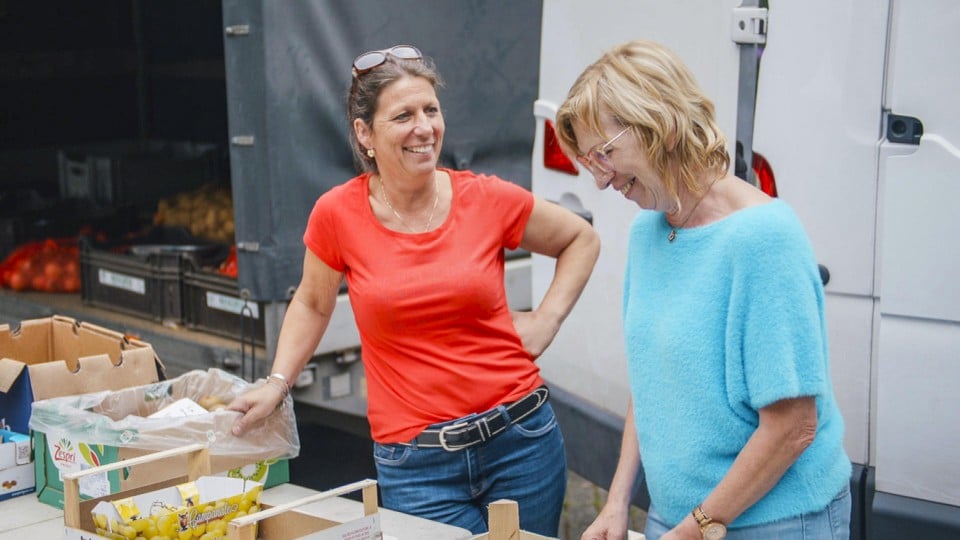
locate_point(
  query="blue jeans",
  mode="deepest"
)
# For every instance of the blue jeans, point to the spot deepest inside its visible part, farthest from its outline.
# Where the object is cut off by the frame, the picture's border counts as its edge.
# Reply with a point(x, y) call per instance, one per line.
point(526, 464)
point(831, 523)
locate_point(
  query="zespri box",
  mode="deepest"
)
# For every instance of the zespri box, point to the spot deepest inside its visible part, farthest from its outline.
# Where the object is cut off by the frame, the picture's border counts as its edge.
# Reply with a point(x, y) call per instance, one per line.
point(71, 433)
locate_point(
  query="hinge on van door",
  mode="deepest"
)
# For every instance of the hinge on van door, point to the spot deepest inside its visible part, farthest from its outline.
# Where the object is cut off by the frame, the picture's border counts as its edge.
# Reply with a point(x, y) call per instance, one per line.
point(749, 25)
point(238, 30)
point(242, 140)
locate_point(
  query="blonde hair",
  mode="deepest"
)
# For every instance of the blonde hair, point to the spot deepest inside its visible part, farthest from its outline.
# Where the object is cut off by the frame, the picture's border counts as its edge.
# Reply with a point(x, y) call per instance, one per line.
point(647, 88)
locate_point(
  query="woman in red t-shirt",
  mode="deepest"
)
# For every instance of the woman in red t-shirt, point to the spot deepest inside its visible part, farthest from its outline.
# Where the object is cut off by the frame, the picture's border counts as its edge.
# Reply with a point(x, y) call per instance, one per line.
point(457, 408)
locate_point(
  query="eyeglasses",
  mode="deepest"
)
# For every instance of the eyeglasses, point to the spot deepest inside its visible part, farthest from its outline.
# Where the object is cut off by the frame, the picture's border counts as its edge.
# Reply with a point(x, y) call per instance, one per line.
point(597, 162)
point(374, 59)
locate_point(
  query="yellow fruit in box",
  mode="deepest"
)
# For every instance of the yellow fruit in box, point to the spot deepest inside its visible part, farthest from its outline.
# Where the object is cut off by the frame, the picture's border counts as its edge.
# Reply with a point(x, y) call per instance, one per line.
point(151, 530)
point(217, 528)
point(167, 525)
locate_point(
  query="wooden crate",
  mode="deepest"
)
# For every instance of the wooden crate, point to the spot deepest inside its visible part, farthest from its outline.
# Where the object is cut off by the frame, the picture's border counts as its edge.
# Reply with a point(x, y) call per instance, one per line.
point(77, 520)
point(284, 522)
point(505, 524)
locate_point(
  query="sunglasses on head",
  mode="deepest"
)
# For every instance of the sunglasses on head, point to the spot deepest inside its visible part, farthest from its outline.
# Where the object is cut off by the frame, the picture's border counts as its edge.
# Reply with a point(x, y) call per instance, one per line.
point(373, 59)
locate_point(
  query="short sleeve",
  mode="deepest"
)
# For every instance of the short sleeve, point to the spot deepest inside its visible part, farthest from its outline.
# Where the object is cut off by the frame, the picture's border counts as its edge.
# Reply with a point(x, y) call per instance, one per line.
point(321, 236)
point(514, 205)
point(778, 293)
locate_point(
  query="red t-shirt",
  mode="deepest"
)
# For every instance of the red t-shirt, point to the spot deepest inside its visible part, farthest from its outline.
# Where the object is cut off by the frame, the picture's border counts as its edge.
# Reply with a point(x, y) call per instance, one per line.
point(436, 334)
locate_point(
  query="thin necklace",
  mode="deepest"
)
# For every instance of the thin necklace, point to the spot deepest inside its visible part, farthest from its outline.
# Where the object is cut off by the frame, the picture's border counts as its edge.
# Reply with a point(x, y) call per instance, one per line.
point(436, 200)
point(673, 231)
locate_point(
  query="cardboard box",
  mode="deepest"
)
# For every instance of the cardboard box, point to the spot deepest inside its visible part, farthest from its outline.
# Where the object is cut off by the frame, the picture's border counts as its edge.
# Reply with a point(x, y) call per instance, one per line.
point(76, 432)
point(16, 465)
point(186, 511)
point(78, 516)
point(60, 356)
point(284, 522)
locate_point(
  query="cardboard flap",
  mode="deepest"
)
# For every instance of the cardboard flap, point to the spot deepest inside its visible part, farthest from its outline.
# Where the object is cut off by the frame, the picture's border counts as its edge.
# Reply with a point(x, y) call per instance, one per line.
point(66, 357)
point(9, 371)
point(95, 374)
point(30, 343)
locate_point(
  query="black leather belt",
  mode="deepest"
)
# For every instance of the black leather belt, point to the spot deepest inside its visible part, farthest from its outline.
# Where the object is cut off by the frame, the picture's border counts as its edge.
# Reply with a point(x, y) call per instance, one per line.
point(475, 430)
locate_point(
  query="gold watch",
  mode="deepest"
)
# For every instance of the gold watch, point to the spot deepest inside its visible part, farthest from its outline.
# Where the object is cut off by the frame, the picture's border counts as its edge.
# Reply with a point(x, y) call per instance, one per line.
point(710, 528)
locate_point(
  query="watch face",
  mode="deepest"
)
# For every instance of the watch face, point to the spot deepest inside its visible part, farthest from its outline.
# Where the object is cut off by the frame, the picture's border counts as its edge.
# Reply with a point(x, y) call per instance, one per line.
point(715, 531)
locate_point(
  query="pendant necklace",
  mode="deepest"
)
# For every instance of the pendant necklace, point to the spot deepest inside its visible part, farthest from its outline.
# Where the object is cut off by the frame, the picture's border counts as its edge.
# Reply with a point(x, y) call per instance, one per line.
point(673, 231)
point(436, 200)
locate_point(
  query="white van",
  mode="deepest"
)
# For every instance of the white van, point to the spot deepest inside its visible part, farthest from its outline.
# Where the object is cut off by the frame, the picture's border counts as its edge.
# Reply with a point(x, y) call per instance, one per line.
point(856, 124)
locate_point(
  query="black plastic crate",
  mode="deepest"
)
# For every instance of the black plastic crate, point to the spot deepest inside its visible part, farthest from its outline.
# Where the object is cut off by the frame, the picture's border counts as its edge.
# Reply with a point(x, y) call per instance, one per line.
point(142, 278)
point(212, 303)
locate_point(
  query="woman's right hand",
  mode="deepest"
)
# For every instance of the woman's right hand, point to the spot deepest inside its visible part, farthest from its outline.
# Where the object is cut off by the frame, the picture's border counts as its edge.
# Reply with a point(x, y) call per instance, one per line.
point(255, 404)
point(610, 524)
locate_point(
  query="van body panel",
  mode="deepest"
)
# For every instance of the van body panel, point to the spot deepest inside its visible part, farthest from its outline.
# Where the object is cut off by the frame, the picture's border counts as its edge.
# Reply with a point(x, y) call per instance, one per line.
point(587, 356)
point(879, 214)
point(818, 123)
point(918, 362)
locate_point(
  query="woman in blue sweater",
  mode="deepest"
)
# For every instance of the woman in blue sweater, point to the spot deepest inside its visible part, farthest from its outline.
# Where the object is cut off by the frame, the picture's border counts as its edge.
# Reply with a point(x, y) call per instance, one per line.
point(732, 408)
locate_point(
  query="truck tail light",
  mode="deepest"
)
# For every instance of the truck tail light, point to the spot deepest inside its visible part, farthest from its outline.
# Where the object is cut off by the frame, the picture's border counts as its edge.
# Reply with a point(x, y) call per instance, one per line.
point(764, 173)
point(553, 156)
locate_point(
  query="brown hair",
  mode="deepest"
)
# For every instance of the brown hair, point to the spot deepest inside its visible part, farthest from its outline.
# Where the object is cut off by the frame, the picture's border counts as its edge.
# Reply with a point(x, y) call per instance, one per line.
point(365, 90)
point(647, 88)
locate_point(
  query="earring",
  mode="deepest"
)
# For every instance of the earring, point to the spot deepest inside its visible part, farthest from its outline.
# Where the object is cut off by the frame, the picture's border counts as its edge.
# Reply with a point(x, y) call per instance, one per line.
point(371, 153)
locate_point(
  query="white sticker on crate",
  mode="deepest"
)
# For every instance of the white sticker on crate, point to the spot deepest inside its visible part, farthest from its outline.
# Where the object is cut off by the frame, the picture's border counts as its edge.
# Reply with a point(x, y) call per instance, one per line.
point(122, 281)
point(232, 304)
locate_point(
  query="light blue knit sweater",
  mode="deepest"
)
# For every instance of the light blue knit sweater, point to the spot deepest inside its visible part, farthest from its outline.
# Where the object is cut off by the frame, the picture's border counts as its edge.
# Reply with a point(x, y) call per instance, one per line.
point(725, 320)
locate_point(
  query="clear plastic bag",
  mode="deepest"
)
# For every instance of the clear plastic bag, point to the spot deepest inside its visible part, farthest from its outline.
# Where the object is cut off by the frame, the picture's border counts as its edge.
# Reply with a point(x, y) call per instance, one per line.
point(119, 418)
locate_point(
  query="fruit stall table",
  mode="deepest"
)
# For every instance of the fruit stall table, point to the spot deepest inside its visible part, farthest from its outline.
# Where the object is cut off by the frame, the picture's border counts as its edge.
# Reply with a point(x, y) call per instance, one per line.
point(25, 517)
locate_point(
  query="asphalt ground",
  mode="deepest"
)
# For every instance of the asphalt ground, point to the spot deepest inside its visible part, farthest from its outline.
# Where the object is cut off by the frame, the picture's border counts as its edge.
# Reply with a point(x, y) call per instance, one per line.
point(331, 458)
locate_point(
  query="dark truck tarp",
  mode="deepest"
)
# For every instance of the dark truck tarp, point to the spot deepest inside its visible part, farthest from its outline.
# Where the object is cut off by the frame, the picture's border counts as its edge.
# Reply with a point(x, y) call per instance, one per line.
point(287, 77)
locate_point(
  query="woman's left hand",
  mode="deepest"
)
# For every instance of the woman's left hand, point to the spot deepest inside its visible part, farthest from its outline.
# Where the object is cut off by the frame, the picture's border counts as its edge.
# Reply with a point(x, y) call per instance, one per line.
point(536, 330)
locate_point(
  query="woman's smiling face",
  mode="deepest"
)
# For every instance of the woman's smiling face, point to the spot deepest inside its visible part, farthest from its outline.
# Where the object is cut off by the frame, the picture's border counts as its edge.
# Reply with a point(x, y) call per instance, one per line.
point(408, 127)
point(632, 174)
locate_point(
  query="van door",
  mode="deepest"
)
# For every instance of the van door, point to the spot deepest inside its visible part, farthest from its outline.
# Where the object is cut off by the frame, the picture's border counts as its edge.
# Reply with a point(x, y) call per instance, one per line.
point(818, 122)
point(586, 362)
point(861, 131)
point(918, 345)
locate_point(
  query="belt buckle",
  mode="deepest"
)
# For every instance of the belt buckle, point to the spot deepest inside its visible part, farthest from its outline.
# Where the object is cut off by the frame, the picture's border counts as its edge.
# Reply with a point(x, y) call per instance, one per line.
point(442, 435)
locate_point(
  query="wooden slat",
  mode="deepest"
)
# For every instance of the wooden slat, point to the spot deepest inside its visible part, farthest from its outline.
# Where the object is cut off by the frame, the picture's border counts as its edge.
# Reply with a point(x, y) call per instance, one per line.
point(504, 520)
